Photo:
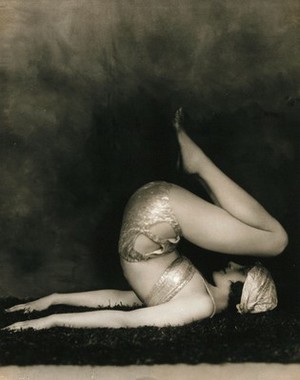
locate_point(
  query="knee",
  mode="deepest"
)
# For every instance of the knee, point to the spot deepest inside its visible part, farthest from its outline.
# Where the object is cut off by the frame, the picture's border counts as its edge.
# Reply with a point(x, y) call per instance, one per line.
point(280, 241)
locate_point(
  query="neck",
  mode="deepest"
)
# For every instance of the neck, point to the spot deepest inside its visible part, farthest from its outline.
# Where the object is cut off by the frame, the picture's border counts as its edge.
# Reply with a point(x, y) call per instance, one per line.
point(220, 297)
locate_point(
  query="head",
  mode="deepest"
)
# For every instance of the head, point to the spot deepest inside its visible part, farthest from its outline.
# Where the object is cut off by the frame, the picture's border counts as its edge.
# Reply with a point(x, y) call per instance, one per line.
point(231, 274)
point(250, 290)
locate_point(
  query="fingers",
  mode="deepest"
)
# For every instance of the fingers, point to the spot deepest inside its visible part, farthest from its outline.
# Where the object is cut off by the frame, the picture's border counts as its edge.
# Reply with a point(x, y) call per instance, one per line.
point(35, 324)
point(26, 308)
point(18, 326)
point(15, 308)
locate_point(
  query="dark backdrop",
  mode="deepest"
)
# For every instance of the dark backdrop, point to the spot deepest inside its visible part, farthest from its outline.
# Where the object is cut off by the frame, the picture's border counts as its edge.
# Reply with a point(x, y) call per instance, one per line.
point(88, 90)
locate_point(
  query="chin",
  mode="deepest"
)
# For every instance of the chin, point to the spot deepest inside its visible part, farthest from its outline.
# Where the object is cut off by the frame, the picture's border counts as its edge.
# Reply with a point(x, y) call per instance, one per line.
point(214, 274)
point(218, 278)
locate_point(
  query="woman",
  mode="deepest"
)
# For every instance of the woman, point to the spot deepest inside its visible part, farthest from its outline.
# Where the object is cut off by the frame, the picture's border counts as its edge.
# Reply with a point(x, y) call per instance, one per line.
point(174, 292)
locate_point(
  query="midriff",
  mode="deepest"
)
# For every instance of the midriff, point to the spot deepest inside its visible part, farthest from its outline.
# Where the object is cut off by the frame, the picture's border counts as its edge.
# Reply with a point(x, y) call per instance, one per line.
point(142, 275)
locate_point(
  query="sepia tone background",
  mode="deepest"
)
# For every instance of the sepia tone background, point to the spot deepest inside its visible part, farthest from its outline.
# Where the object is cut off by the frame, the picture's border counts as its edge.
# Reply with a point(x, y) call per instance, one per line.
point(88, 90)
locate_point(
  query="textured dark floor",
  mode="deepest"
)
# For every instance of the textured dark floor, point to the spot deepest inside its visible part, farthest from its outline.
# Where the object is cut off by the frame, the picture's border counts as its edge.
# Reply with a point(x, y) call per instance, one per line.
point(269, 337)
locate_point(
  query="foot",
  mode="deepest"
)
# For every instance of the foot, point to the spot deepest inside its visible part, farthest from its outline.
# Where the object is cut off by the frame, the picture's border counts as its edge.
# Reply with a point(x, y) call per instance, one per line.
point(190, 153)
point(178, 119)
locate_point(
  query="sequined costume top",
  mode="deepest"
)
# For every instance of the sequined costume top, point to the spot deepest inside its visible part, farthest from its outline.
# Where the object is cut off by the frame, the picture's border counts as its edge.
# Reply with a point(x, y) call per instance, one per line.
point(147, 207)
point(177, 275)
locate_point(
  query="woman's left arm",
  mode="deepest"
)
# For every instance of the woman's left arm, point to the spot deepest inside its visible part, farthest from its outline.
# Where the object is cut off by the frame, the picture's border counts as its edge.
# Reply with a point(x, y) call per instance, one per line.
point(173, 313)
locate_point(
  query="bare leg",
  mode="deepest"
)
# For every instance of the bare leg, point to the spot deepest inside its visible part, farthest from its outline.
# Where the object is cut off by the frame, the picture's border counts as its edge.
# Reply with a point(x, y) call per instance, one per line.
point(238, 209)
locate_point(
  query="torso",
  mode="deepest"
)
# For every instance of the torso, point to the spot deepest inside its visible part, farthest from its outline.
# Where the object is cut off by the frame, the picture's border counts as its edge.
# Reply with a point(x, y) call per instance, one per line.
point(149, 235)
point(143, 275)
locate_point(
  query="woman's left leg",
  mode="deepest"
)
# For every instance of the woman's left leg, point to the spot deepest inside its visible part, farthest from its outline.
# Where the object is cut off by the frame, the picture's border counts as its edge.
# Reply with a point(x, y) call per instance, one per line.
point(238, 224)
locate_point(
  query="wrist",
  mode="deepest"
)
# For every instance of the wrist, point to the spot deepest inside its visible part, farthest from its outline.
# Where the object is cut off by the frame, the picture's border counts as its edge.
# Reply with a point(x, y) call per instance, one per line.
point(54, 299)
point(62, 320)
point(50, 321)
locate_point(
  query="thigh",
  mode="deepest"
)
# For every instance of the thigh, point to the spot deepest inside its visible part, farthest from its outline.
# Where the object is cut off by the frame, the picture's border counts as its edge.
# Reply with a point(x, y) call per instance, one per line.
point(213, 228)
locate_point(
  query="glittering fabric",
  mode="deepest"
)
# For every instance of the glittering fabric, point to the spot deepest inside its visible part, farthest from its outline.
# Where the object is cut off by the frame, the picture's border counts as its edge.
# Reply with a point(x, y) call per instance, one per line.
point(174, 278)
point(148, 206)
point(259, 291)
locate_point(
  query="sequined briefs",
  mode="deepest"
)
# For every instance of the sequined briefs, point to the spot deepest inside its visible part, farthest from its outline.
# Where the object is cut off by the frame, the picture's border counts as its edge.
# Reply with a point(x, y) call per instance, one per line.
point(147, 207)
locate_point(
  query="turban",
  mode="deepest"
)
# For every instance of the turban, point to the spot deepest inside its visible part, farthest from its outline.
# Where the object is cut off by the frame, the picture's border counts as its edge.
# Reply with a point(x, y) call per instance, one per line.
point(259, 291)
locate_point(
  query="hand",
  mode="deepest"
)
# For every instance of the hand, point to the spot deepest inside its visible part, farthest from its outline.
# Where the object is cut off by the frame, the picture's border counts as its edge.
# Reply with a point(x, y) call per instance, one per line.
point(38, 305)
point(35, 324)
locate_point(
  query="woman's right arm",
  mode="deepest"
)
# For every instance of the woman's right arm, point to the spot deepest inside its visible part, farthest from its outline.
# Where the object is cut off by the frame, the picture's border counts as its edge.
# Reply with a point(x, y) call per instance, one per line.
point(173, 313)
point(93, 299)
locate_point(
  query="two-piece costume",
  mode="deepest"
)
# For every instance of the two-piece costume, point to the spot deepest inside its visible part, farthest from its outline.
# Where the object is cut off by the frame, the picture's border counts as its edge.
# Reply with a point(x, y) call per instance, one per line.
point(150, 205)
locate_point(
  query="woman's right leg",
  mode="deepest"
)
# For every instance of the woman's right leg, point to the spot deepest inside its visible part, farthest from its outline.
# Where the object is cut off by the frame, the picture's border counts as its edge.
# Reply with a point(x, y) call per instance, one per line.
point(237, 223)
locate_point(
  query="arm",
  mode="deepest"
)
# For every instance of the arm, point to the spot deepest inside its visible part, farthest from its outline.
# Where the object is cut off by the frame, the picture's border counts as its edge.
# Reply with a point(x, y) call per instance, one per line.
point(174, 313)
point(93, 299)
point(96, 298)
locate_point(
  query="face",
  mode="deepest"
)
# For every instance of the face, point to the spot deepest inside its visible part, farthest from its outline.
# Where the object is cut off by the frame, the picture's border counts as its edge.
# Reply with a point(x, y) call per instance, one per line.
point(232, 273)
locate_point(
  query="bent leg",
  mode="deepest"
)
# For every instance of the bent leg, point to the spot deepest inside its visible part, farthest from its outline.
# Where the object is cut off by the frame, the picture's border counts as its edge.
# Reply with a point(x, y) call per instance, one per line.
point(239, 224)
point(214, 228)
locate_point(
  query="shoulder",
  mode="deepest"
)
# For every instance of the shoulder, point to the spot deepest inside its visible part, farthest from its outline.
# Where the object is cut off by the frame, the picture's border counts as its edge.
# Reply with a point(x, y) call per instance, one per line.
point(173, 313)
point(193, 308)
point(202, 307)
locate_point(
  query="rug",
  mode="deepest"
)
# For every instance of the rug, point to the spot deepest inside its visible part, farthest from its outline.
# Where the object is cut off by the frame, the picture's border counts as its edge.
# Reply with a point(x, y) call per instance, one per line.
point(272, 337)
